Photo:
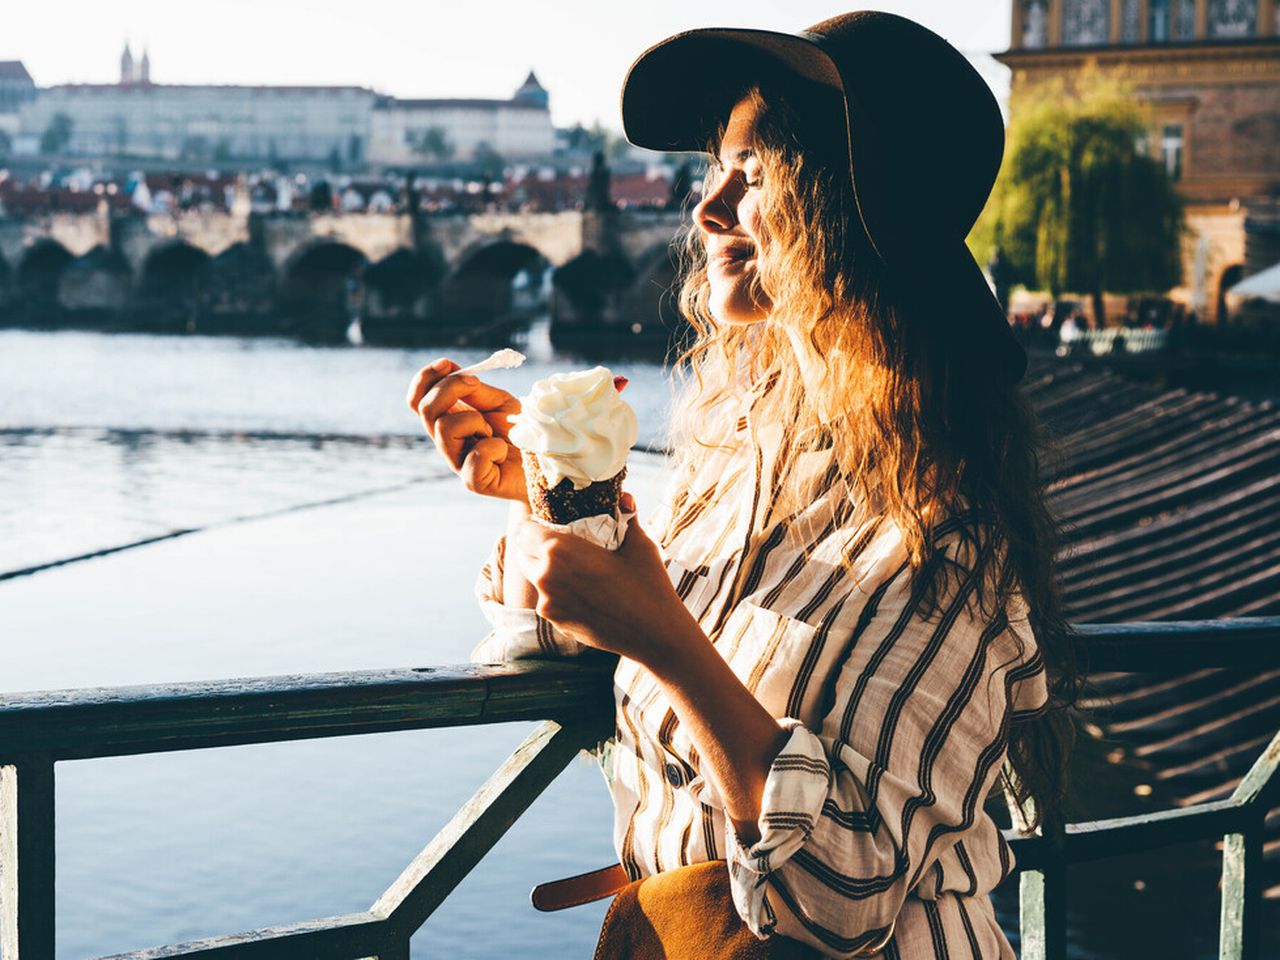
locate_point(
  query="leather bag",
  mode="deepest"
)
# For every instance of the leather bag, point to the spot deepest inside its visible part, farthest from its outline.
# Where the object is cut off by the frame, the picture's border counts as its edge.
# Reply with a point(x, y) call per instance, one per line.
point(681, 914)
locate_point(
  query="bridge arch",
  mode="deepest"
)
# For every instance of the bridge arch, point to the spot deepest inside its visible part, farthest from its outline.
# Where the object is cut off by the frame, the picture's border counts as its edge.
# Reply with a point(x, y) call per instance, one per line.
point(321, 289)
point(171, 285)
point(480, 288)
point(36, 278)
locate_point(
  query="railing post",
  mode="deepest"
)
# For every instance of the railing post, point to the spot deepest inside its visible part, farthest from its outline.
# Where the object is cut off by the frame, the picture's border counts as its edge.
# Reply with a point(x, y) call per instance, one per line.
point(26, 859)
point(397, 951)
point(1042, 901)
point(1242, 889)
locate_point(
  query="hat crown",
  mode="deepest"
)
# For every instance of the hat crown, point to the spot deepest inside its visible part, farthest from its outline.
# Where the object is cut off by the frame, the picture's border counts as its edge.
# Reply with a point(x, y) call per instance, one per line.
point(932, 109)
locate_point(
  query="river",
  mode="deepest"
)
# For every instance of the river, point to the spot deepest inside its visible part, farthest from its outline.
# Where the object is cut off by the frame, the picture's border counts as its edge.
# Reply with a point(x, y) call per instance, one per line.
point(324, 536)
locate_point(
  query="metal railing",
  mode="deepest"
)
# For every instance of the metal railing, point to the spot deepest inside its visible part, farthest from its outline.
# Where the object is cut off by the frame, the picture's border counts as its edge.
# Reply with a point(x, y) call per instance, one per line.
point(575, 703)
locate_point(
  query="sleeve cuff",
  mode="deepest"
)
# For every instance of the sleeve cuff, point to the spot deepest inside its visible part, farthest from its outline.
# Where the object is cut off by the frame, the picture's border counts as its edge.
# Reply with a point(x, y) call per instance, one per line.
point(795, 789)
point(520, 634)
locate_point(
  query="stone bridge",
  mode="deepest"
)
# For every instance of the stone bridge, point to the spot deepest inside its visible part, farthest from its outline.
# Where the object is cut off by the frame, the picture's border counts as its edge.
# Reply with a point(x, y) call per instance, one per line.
point(409, 276)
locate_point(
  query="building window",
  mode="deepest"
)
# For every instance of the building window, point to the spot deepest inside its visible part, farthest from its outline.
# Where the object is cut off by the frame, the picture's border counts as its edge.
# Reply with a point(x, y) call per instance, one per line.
point(1233, 18)
point(1131, 21)
point(1186, 19)
point(1035, 23)
point(1085, 22)
point(1158, 21)
point(1171, 144)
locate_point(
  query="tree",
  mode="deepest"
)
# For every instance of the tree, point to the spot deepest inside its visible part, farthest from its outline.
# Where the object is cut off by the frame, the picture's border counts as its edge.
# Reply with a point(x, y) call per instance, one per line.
point(1079, 206)
point(433, 142)
point(57, 135)
point(488, 160)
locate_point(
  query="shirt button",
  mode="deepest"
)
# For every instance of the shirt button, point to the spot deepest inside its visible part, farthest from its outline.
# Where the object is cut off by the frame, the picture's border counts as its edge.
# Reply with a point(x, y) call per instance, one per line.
point(674, 776)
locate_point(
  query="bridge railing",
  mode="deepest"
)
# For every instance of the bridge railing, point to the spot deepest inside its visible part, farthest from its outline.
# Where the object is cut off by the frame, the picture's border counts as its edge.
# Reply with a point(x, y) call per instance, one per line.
point(575, 704)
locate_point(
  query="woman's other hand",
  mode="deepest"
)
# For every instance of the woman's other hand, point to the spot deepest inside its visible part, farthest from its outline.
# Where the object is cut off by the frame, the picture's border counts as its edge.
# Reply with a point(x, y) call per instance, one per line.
point(619, 600)
point(467, 419)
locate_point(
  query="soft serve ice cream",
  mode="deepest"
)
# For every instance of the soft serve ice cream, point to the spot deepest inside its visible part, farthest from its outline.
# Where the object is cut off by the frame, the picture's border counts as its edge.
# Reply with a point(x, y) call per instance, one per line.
point(574, 432)
point(577, 426)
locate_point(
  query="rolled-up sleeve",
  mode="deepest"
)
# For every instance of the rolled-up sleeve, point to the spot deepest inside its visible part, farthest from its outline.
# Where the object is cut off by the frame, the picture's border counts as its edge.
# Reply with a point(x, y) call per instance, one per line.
point(855, 812)
point(517, 633)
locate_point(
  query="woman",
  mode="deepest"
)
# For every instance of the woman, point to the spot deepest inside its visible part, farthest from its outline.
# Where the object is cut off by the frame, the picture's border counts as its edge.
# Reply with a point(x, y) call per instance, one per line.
point(847, 633)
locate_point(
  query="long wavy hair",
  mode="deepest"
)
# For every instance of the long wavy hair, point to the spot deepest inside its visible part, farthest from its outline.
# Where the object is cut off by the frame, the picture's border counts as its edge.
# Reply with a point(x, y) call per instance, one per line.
point(924, 433)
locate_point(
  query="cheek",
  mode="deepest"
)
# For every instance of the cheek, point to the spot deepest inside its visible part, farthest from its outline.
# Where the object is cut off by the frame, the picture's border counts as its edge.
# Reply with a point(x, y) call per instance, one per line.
point(750, 217)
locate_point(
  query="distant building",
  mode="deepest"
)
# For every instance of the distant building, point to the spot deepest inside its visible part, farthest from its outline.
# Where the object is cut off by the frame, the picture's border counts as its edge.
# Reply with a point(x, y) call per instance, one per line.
point(408, 132)
point(16, 88)
point(223, 124)
point(204, 123)
point(1210, 71)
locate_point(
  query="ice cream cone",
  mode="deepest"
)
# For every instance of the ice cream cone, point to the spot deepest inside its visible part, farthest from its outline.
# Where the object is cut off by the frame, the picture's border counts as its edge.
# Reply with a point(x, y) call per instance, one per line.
point(574, 433)
point(563, 503)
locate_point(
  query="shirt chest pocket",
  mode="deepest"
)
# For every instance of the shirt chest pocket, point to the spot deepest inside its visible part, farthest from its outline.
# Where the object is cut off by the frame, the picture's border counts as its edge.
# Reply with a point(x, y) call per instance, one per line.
point(775, 656)
point(698, 585)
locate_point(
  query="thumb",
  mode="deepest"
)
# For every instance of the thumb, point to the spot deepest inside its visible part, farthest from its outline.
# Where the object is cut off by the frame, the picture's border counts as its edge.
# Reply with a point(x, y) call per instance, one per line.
point(635, 536)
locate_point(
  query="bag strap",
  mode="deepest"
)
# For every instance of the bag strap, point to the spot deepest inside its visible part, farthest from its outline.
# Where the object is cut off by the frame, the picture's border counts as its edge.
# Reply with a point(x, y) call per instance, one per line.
point(583, 888)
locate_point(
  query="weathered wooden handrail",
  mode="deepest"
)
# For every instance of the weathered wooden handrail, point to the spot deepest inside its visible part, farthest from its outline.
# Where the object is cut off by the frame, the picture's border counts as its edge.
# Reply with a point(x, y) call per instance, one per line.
point(575, 701)
point(123, 721)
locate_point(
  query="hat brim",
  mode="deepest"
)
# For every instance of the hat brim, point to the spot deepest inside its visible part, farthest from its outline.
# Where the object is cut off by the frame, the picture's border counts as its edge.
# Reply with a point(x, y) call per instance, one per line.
point(678, 92)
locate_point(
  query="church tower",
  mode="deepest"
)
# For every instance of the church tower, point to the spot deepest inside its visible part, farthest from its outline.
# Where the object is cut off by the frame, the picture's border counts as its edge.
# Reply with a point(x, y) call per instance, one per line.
point(144, 69)
point(126, 66)
point(531, 91)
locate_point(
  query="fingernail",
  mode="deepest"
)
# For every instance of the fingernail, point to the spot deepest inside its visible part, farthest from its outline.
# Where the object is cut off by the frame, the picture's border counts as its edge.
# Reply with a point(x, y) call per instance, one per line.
point(470, 380)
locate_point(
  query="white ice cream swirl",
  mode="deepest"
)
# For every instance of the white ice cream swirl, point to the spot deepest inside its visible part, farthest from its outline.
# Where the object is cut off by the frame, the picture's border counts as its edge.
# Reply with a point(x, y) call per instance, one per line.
point(577, 425)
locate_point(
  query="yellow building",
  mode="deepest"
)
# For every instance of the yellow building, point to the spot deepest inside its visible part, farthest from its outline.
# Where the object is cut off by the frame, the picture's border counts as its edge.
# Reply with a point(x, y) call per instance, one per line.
point(1210, 72)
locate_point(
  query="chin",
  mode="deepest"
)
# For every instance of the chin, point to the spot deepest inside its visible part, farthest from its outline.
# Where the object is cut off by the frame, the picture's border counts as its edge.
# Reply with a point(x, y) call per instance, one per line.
point(736, 311)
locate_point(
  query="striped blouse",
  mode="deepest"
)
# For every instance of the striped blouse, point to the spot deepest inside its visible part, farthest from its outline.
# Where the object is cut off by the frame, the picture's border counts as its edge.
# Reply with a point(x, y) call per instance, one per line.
point(872, 822)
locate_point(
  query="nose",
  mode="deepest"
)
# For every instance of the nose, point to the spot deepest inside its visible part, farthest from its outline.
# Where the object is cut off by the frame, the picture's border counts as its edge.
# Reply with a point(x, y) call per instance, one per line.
point(717, 211)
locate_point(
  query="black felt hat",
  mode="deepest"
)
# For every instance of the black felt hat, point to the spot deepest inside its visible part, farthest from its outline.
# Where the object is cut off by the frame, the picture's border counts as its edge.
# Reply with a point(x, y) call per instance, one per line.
point(925, 141)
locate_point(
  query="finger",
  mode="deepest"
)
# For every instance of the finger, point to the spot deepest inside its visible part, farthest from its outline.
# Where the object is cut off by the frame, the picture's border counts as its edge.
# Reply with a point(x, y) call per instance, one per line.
point(424, 379)
point(482, 467)
point(452, 389)
point(454, 432)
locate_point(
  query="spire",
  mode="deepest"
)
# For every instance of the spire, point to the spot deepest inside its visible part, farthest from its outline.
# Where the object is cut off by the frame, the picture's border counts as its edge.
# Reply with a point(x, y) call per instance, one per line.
point(126, 66)
point(531, 91)
point(144, 69)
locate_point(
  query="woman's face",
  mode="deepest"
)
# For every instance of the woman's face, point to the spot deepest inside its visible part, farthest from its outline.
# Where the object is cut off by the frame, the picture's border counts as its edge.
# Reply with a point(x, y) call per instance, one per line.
point(729, 219)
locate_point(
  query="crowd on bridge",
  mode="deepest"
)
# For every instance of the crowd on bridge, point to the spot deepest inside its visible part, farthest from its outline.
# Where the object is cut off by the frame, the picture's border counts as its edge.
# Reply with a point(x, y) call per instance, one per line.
point(518, 189)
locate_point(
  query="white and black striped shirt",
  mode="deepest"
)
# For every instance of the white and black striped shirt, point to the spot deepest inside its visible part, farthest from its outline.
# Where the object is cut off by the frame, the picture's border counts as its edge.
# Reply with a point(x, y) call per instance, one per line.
point(873, 811)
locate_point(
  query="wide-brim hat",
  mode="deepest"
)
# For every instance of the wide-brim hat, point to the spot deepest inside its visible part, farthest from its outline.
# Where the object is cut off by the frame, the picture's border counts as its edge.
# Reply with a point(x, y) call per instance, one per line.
point(925, 140)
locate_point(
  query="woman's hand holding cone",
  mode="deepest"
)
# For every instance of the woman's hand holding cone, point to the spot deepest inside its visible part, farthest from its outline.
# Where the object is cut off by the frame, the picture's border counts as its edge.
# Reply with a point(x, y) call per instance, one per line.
point(467, 420)
point(621, 601)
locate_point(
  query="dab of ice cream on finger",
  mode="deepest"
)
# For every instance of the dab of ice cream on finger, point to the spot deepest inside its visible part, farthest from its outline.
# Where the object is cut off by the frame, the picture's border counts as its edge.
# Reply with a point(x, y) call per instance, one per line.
point(574, 432)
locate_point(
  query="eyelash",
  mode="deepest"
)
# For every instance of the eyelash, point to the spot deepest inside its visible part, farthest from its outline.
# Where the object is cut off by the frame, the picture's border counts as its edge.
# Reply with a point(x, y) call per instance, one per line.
point(750, 183)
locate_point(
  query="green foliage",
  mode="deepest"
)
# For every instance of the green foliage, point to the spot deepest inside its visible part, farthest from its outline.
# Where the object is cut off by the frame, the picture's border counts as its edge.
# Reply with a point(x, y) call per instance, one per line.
point(433, 142)
point(57, 135)
point(1079, 206)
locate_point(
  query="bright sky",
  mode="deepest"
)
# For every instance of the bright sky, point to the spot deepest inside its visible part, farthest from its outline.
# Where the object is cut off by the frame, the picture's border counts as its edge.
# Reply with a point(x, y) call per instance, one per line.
point(580, 49)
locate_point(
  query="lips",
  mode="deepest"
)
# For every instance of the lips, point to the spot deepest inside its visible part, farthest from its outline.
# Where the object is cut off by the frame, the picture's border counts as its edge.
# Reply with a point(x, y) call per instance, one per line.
point(732, 253)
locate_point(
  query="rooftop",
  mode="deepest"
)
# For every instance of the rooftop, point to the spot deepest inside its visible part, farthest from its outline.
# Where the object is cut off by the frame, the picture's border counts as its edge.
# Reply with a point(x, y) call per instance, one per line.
point(14, 70)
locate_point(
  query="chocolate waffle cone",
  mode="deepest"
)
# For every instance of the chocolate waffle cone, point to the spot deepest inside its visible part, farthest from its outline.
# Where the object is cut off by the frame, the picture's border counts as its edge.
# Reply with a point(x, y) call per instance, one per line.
point(563, 503)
